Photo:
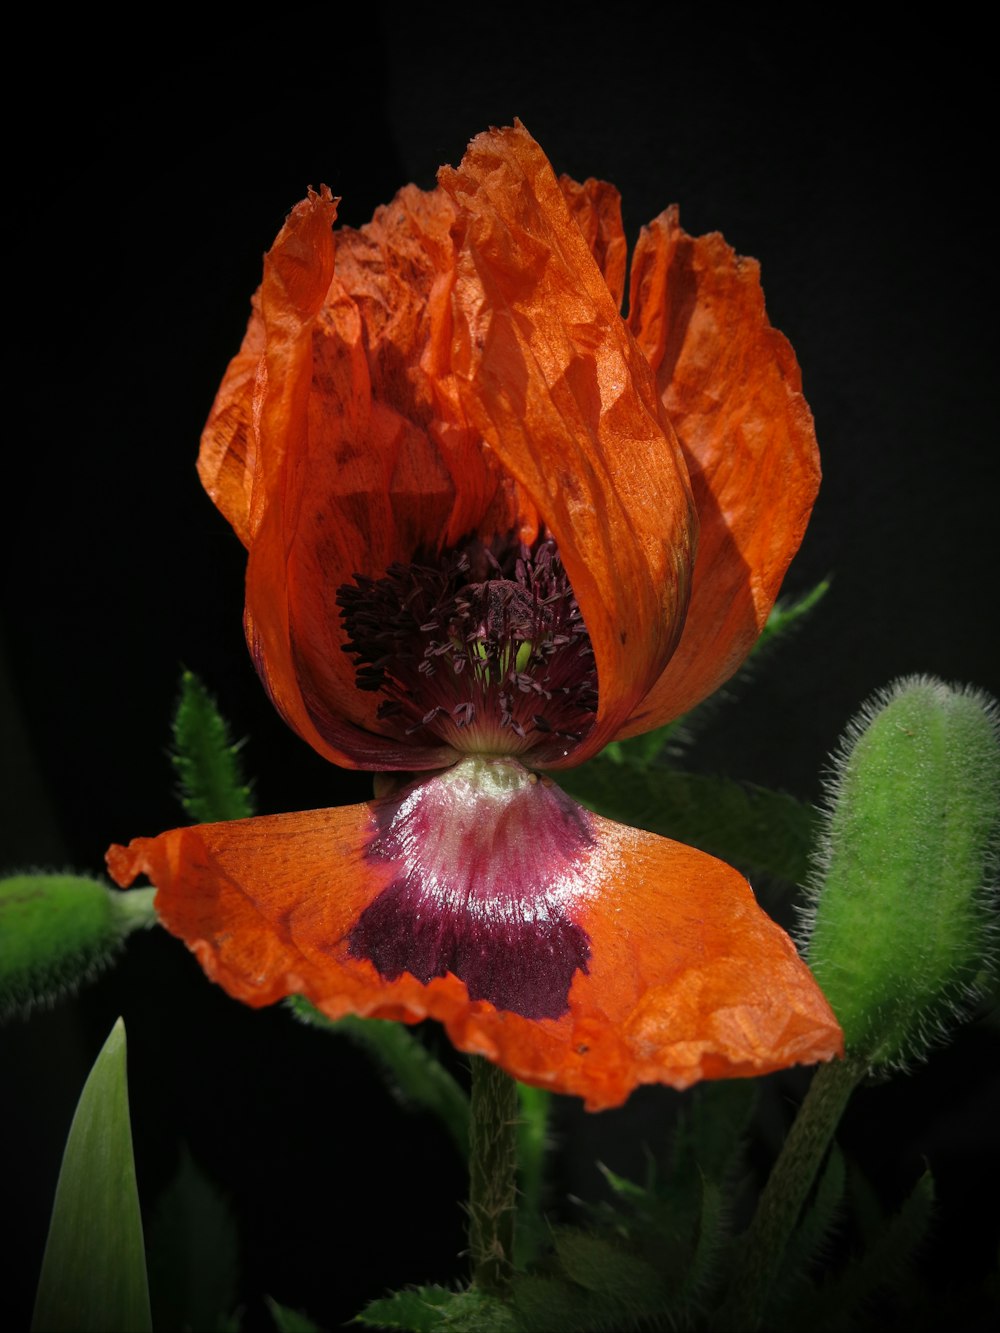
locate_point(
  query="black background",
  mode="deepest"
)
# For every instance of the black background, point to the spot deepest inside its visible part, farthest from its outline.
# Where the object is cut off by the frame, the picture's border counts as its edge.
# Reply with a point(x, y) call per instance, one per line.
point(152, 169)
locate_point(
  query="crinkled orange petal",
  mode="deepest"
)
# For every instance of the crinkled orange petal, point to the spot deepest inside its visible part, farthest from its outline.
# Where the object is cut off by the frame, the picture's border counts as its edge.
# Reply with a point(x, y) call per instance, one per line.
point(732, 389)
point(546, 369)
point(332, 457)
point(597, 210)
point(226, 459)
point(324, 457)
point(687, 977)
point(382, 473)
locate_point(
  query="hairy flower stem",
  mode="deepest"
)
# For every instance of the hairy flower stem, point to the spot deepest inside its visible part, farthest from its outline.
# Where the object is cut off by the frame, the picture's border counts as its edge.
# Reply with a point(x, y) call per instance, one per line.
point(492, 1175)
point(764, 1243)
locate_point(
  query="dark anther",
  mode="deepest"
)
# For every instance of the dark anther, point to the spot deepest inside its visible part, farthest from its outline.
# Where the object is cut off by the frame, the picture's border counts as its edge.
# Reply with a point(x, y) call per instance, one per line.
point(504, 616)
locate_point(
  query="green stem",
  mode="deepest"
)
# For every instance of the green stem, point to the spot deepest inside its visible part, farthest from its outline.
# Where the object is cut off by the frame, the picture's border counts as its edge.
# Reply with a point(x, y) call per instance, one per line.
point(492, 1175)
point(133, 910)
point(764, 1243)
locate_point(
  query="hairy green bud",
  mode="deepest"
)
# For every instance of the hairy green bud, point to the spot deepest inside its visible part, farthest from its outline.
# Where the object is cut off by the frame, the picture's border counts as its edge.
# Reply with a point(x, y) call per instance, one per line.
point(59, 931)
point(900, 922)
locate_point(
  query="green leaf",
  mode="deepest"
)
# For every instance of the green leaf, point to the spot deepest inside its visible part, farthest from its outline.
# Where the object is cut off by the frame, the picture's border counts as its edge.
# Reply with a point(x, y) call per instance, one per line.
point(713, 1131)
point(641, 751)
point(287, 1320)
point(751, 827)
point(788, 1306)
point(787, 614)
point(550, 1305)
point(212, 786)
point(602, 1267)
point(678, 1222)
point(674, 737)
point(432, 1308)
point(713, 1239)
point(412, 1074)
point(886, 1262)
point(60, 931)
point(193, 1254)
point(94, 1270)
point(592, 1283)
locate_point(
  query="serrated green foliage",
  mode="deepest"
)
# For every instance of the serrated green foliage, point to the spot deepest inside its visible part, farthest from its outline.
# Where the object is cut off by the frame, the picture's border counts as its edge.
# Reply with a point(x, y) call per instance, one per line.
point(93, 1274)
point(902, 914)
point(712, 1132)
point(546, 1304)
point(679, 1219)
point(680, 1227)
point(287, 1320)
point(607, 1270)
point(211, 784)
point(751, 827)
point(60, 931)
point(657, 1249)
point(670, 740)
point(412, 1074)
point(593, 1285)
point(815, 1226)
point(884, 1265)
point(432, 1308)
point(711, 1240)
point(866, 1211)
point(760, 1251)
point(886, 1259)
point(193, 1254)
point(787, 614)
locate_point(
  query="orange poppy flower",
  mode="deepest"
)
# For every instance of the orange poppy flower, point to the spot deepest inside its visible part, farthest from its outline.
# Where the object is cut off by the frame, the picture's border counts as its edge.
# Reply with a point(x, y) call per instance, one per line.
point(491, 526)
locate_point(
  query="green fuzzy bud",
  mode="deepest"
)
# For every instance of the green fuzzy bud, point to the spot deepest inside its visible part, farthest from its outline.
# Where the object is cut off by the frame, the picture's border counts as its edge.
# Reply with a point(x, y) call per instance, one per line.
point(901, 915)
point(59, 931)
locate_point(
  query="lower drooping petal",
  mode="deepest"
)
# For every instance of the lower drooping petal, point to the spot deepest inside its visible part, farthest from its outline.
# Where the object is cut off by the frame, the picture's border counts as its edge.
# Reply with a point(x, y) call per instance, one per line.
point(578, 954)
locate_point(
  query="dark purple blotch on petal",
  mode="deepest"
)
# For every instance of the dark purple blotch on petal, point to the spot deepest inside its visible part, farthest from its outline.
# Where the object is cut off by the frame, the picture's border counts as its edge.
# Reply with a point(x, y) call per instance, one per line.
point(489, 862)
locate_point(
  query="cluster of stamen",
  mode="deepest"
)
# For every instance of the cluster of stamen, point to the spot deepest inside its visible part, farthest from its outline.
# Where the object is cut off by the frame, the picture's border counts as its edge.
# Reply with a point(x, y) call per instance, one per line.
point(484, 647)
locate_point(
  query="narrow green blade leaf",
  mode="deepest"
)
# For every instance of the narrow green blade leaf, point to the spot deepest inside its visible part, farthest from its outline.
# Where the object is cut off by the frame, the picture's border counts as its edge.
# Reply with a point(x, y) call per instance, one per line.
point(287, 1320)
point(413, 1075)
point(207, 763)
point(193, 1254)
point(93, 1277)
point(751, 827)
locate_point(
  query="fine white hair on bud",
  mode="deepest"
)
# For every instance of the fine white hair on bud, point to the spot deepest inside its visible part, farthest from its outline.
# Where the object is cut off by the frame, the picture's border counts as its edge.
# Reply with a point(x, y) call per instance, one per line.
point(900, 926)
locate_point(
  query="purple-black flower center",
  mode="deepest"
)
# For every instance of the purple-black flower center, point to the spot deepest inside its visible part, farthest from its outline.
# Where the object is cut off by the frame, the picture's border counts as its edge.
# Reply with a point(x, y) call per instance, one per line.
point(482, 646)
